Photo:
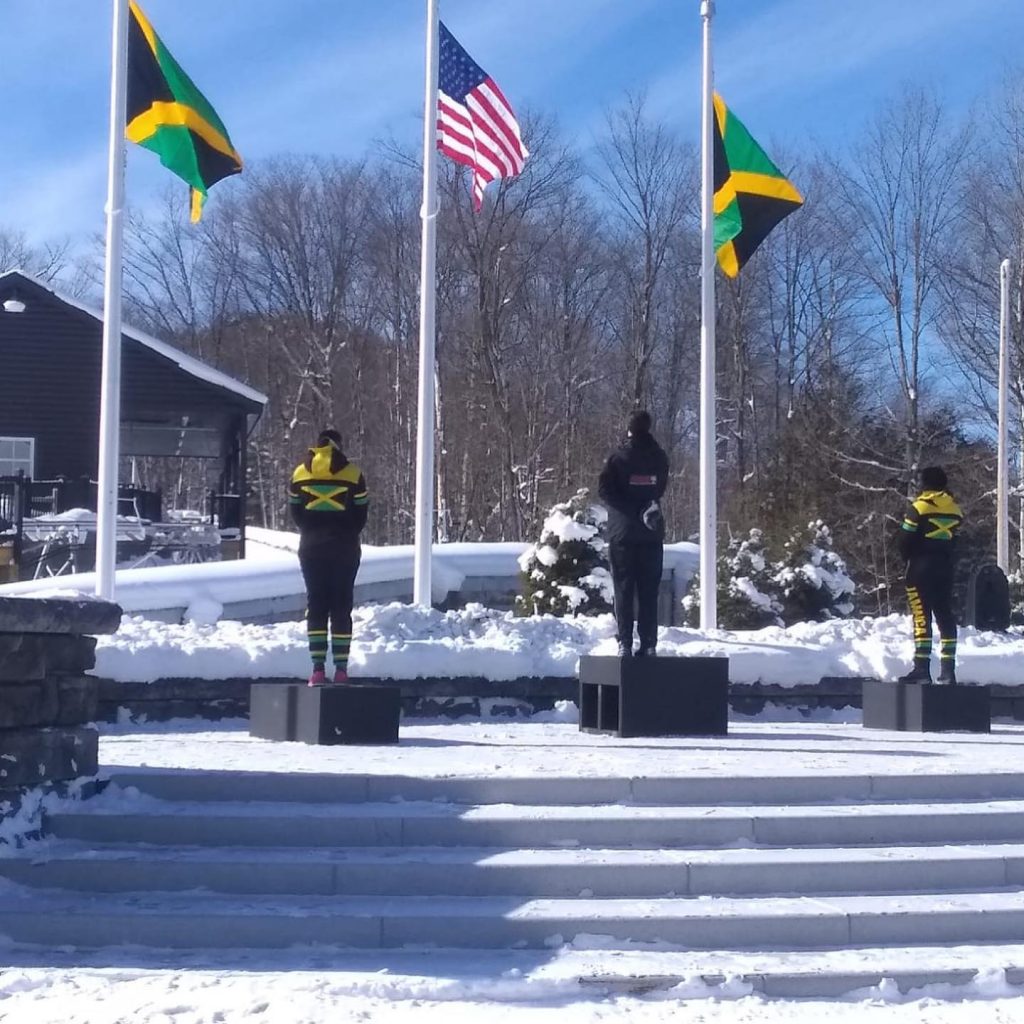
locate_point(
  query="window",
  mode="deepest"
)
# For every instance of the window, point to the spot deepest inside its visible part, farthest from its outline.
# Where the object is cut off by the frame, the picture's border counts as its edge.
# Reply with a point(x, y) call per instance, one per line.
point(17, 453)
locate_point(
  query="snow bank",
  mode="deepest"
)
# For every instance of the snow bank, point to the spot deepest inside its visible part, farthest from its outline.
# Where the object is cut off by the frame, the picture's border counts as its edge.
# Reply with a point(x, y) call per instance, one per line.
point(397, 641)
point(271, 570)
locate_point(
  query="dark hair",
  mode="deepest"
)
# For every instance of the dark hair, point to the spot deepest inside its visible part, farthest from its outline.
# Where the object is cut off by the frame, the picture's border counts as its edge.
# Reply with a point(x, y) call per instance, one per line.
point(640, 422)
point(331, 437)
point(933, 478)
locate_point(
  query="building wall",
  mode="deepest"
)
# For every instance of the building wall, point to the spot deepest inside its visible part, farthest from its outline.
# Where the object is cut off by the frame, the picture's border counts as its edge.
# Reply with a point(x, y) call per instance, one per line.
point(50, 360)
point(49, 388)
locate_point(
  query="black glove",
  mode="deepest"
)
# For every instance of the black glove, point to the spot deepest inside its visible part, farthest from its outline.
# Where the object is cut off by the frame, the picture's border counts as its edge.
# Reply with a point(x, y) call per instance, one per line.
point(652, 517)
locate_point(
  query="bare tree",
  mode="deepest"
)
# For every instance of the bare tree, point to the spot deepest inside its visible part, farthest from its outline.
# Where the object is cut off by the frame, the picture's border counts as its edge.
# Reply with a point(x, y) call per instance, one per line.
point(902, 187)
point(648, 179)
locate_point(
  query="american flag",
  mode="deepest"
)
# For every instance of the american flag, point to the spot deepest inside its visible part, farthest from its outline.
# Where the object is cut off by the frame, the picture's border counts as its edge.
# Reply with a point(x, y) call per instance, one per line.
point(475, 124)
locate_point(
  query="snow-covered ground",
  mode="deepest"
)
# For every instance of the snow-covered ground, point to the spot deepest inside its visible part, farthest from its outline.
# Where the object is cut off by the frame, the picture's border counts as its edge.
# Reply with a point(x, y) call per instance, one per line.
point(396, 641)
point(307, 986)
point(317, 989)
point(145, 987)
point(546, 746)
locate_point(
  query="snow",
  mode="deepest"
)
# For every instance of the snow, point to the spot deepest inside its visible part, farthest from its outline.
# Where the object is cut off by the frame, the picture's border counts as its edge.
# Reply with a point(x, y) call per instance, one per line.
point(272, 570)
point(534, 749)
point(397, 641)
point(745, 586)
point(583, 982)
point(385, 989)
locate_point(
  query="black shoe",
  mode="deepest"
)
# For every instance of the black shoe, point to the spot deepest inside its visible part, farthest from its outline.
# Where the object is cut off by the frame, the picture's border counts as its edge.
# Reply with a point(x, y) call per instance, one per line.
point(646, 652)
point(947, 674)
point(920, 673)
point(625, 650)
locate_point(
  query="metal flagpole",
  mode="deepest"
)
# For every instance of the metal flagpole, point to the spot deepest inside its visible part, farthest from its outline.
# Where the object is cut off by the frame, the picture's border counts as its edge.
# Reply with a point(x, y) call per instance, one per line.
point(708, 485)
point(425, 419)
point(1003, 471)
point(110, 380)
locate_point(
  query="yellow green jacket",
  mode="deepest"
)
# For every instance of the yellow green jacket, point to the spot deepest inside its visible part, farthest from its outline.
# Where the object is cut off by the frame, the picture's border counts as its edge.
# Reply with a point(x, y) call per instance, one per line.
point(328, 498)
point(930, 526)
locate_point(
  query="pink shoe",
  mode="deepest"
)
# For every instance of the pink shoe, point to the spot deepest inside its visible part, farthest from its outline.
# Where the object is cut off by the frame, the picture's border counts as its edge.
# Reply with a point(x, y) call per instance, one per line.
point(340, 675)
point(318, 678)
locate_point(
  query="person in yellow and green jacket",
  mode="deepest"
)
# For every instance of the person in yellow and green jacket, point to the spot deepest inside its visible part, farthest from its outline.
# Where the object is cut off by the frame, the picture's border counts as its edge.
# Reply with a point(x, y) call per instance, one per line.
point(927, 541)
point(329, 502)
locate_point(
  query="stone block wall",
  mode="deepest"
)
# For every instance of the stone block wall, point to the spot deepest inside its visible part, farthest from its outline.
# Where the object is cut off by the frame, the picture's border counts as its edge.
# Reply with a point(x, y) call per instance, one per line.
point(47, 702)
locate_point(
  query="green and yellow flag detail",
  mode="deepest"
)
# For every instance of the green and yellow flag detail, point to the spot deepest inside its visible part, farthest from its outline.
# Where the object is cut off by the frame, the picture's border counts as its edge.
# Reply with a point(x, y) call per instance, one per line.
point(170, 116)
point(751, 193)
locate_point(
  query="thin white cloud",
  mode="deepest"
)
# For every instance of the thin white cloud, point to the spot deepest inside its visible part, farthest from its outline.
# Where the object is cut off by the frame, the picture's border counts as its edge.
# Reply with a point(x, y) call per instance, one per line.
point(369, 82)
point(796, 45)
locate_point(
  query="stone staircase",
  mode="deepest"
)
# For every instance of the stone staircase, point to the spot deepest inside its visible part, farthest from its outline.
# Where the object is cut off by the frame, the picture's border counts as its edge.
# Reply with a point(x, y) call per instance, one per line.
point(193, 860)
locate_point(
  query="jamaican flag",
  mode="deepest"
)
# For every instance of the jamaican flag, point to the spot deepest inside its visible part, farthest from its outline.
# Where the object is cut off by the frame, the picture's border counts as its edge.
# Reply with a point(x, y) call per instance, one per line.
point(170, 116)
point(751, 193)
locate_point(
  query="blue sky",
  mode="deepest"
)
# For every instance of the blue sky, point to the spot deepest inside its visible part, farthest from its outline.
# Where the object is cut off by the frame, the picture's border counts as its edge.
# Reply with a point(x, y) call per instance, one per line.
point(330, 76)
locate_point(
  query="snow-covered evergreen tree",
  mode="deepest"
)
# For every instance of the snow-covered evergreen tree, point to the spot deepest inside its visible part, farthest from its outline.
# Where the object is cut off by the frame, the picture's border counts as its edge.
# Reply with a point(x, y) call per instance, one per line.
point(811, 579)
point(567, 572)
point(747, 589)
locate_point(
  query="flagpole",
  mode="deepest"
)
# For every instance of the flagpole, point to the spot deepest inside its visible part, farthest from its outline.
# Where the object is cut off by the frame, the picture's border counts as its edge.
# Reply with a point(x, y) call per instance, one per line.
point(708, 430)
point(1003, 471)
point(110, 378)
point(421, 591)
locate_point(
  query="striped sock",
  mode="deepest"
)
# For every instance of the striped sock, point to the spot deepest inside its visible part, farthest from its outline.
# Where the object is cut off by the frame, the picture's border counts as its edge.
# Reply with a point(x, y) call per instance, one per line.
point(317, 646)
point(948, 649)
point(340, 645)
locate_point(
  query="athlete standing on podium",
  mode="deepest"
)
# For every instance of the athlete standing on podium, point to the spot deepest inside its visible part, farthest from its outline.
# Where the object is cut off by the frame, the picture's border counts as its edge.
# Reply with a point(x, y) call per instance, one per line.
point(329, 503)
point(631, 486)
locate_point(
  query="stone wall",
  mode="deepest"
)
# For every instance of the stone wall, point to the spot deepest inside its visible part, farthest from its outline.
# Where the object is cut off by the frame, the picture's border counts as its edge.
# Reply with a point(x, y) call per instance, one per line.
point(47, 701)
point(470, 697)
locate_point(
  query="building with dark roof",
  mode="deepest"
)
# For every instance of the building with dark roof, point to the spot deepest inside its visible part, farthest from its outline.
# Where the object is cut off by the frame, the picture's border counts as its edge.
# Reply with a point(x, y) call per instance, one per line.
point(172, 405)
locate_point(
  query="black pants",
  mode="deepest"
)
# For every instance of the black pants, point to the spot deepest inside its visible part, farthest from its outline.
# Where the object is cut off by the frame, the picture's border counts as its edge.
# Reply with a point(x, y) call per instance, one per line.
point(330, 575)
point(636, 573)
point(930, 595)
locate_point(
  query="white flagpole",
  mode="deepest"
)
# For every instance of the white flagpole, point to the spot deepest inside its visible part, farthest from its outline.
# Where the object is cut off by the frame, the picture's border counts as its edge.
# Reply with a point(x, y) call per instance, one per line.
point(708, 434)
point(110, 386)
point(425, 419)
point(1003, 471)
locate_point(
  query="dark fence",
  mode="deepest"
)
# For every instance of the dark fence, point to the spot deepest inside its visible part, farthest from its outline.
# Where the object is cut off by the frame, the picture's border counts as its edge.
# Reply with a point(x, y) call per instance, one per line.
point(14, 496)
point(22, 498)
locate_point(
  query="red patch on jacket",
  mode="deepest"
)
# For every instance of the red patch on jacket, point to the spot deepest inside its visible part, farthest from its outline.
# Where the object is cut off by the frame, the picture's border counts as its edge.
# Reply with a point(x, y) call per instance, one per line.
point(638, 480)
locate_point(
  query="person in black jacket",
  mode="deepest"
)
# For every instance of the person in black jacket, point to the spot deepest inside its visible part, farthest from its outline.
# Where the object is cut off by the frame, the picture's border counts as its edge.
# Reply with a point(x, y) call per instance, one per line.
point(329, 504)
point(631, 486)
point(927, 541)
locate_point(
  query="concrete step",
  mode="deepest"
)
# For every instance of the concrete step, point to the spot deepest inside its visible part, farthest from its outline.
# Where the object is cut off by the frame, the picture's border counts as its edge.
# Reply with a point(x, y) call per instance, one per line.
point(547, 873)
point(183, 921)
point(148, 820)
point(234, 786)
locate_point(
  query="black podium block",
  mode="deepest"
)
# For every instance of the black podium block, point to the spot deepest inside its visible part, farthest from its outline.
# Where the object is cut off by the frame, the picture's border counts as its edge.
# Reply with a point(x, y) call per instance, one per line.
point(348, 714)
point(924, 707)
point(325, 715)
point(654, 696)
point(272, 710)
